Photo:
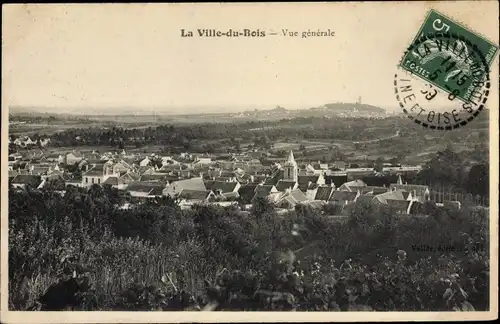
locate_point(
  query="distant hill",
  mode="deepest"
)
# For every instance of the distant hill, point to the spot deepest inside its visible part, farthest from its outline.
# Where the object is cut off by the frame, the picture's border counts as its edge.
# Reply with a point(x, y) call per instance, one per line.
point(331, 109)
point(341, 107)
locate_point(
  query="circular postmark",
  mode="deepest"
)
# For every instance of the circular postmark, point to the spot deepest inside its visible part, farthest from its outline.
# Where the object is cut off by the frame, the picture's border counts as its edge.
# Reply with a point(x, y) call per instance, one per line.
point(444, 81)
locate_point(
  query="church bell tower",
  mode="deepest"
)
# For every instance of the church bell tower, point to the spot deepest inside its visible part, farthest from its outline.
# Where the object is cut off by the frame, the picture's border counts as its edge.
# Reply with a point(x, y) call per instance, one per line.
point(291, 169)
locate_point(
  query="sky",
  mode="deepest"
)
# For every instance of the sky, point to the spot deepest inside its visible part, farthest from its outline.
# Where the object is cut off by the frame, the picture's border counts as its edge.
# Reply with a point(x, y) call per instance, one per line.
point(107, 57)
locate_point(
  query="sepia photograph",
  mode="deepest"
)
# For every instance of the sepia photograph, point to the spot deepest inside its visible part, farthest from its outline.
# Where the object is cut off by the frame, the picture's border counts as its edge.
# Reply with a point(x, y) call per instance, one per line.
point(217, 161)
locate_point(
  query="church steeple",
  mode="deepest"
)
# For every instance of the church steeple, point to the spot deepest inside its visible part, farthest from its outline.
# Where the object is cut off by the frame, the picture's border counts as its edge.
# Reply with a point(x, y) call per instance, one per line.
point(291, 159)
point(290, 168)
point(400, 181)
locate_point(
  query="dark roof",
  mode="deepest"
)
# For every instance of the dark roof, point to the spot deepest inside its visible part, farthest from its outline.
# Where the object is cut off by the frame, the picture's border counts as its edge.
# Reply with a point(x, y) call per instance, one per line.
point(374, 189)
point(230, 195)
point(337, 180)
point(364, 199)
point(93, 173)
point(263, 190)
point(228, 174)
point(27, 179)
point(113, 181)
point(74, 180)
point(194, 194)
point(191, 184)
point(247, 192)
point(416, 206)
point(224, 186)
point(131, 175)
point(156, 192)
point(380, 181)
point(323, 193)
point(306, 178)
point(143, 186)
point(208, 183)
point(282, 185)
point(343, 195)
point(154, 177)
point(223, 179)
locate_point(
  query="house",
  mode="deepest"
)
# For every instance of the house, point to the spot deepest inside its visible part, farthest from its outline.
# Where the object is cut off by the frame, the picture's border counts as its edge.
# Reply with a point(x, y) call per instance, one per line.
point(73, 158)
point(176, 187)
point(357, 173)
point(192, 196)
point(373, 190)
point(28, 141)
point(344, 197)
point(365, 199)
point(40, 169)
point(352, 186)
point(318, 166)
point(120, 166)
point(155, 177)
point(200, 161)
point(392, 195)
point(324, 193)
point(305, 170)
point(398, 200)
point(115, 182)
point(219, 187)
point(97, 173)
point(335, 177)
point(419, 192)
point(267, 191)
point(247, 192)
point(402, 169)
point(290, 198)
point(310, 191)
point(144, 169)
point(283, 185)
point(23, 181)
point(18, 142)
point(304, 182)
point(137, 191)
point(56, 182)
point(186, 173)
point(129, 177)
point(44, 142)
point(230, 196)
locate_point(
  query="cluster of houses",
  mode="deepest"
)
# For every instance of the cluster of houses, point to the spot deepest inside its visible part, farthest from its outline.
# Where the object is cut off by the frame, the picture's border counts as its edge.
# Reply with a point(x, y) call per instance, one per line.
point(194, 179)
point(26, 141)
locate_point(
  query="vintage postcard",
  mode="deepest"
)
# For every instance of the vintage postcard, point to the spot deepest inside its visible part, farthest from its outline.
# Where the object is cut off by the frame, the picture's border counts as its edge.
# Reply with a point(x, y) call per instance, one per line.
point(249, 162)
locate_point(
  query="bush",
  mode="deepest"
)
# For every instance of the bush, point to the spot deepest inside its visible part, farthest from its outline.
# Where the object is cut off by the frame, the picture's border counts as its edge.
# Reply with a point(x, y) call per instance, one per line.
point(156, 256)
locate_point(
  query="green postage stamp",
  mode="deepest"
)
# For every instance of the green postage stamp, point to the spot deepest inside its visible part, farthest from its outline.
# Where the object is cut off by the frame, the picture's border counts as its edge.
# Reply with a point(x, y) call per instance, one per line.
point(449, 56)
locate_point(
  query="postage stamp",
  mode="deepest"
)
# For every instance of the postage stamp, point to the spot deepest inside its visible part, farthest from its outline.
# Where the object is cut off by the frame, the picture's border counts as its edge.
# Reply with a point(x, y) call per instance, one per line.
point(445, 65)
